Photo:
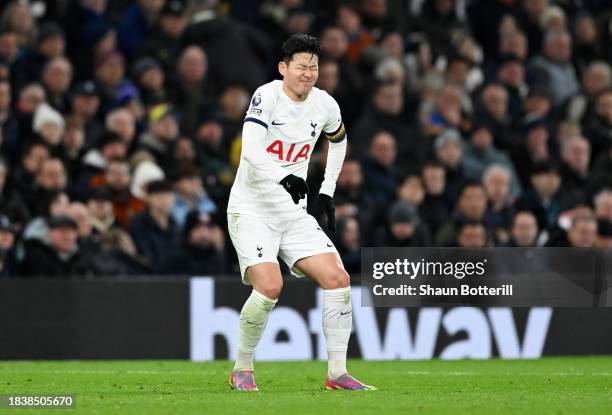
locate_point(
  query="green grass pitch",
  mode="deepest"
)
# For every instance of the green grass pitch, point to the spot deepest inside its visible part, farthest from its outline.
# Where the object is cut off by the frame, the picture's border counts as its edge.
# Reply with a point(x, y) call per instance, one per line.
point(545, 386)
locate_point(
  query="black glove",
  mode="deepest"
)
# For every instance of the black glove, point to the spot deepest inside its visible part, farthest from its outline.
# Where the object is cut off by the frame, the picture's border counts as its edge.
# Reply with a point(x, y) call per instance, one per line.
point(326, 204)
point(296, 186)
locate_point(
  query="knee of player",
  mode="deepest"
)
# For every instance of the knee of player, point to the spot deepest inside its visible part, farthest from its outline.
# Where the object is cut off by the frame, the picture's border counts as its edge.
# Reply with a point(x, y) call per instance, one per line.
point(271, 290)
point(339, 279)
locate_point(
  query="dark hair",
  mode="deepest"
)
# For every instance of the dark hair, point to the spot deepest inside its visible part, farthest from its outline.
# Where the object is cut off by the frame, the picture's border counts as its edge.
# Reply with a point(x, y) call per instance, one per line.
point(30, 145)
point(544, 167)
point(469, 222)
point(432, 164)
point(470, 183)
point(298, 43)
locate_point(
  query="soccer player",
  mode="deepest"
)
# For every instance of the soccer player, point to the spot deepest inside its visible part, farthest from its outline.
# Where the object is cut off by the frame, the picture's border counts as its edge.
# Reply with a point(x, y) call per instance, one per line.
point(267, 208)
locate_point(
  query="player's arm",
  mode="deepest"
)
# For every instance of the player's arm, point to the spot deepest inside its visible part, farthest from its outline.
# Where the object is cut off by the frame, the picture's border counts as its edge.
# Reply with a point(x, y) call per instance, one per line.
point(254, 153)
point(335, 133)
point(254, 133)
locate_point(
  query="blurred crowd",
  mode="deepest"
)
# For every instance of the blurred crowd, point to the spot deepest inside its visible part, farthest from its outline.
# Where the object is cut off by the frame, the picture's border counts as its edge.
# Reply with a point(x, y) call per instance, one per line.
point(471, 123)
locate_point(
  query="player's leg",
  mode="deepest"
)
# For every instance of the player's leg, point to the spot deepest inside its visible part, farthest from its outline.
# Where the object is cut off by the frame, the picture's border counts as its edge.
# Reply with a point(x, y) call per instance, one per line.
point(326, 269)
point(308, 251)
point(267, 284)
point(256, 246)
point(328, 272)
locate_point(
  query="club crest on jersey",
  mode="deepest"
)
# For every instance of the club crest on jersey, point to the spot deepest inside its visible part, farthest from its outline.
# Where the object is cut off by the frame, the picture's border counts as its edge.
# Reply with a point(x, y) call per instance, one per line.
point(314, 126)
point(256, 100)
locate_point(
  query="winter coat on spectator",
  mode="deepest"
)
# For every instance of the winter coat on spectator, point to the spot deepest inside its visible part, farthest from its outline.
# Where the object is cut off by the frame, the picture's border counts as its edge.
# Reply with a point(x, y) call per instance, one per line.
point(193, 260)
point(153, 242)
point(599, 133)
point(41, 260)
point(219, 34)
point(380, 180)
point(546, 215)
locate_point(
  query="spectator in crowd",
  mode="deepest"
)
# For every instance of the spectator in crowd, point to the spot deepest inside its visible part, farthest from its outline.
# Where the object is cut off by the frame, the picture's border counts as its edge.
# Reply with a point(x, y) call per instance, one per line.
point(596, 78)
point(583, 232)
point(9, 128)
point(412, 191)
point(511, 74)
point(109, 72)
point(534, 149)
point(202, 248)
point(109, 147)
point(449, 154)
point(7, 244)
point(190, 194)
point(161, 135)
point(149, 78)
point(471, 206)
point(471, 234)
point(137, 23)
point(586, 41)
point(192, 91)
point(122, 251)
point(100, 210)
point(154, 231)
point(446, 111)
point(49, 125)
point(353, 199)
point(435, 206)
point(603, 205)
point(18, 17)
point(121, 122)
point(29, 98)
point(54, 204)
point(163, 44)
point(50, 178)
point(576, 158)
point(12, 205)
point(495, 112)
point(386, 113)
point(554, 67)
point(58, 255)
point(480, 153)
point(9, 44)
point(84, 103)
point(524, 231)
point(378, 168)
point(117, 177)
point(496, 182)
point(604, 235)
point(537, 105)
point(542, 199)
point(404, 227)
point(56, 78)
point(598, 127)
point(50, 43)
point(218, 34)
point(335, 43)
point(22, 180)
point(349, 244)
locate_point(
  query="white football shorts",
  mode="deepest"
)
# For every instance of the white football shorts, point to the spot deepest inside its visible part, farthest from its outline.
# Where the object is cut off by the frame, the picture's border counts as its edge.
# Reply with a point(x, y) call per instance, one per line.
point(258, 240)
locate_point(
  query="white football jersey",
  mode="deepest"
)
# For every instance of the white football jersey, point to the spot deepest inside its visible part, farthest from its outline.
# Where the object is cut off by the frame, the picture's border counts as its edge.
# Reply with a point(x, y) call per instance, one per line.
point(292, 131)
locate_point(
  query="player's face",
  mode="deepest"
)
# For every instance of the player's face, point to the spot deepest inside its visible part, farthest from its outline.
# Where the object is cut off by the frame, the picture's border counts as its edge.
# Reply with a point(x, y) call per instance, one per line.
point(300, 74)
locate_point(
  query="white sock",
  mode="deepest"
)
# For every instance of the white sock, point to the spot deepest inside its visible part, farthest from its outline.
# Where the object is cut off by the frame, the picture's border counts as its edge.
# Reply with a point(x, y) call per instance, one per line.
point(253, 319)
point(337, 324)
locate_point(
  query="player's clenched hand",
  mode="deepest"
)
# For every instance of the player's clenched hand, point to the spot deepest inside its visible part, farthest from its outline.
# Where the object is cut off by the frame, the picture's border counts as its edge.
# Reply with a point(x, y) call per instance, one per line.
point(296, 186)
point(326, 204)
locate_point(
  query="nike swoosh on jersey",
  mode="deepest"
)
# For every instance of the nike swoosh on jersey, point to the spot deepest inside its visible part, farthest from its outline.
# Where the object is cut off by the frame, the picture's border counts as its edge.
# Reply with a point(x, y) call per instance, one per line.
point(274, 122)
